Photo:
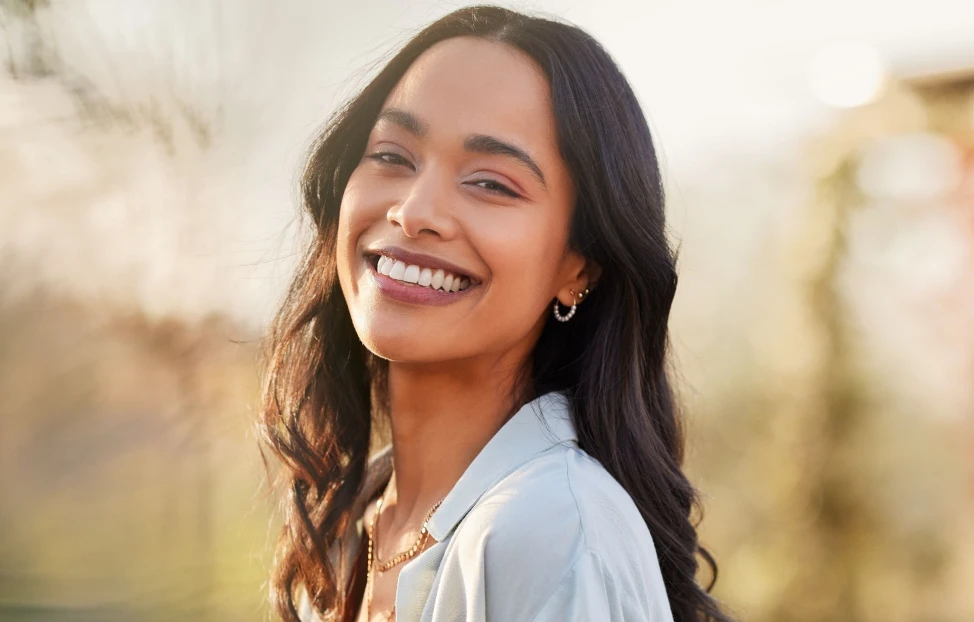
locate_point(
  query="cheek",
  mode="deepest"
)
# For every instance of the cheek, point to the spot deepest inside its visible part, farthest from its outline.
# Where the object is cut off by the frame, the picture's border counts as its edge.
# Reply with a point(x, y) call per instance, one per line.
point(344, 244)
point(353, 219)
point(351, 211)
point(522, 257)
point(357, 213)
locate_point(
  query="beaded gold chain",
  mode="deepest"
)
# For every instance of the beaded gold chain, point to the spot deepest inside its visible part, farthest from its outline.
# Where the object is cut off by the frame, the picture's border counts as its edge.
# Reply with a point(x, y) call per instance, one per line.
point(397, 558)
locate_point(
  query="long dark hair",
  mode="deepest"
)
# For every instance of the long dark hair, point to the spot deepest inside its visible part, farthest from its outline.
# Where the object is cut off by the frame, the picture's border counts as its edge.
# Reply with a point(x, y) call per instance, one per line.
point(323, 387)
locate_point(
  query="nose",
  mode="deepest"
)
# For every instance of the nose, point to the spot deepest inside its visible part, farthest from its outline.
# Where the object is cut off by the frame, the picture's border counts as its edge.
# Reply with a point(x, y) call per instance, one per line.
point(428, 207)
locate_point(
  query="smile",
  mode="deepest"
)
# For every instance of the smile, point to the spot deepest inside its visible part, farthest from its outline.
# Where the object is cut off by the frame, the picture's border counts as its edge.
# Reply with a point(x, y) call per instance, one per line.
point(417, 284)
point(436, 279)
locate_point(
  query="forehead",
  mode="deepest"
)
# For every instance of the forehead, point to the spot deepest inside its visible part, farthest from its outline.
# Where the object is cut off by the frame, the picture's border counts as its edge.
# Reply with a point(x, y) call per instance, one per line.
point(470, 85)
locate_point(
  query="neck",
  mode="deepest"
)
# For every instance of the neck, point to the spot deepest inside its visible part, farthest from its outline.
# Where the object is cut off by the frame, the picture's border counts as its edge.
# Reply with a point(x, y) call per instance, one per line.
point(440, 422)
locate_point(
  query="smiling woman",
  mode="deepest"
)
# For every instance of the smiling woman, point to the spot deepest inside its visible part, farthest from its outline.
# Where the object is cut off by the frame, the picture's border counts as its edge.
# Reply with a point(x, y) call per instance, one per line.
point(497, 170)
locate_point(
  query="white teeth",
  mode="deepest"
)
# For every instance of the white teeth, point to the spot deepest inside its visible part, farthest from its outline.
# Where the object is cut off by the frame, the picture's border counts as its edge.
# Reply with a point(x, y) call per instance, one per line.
point(438, 277)
point(398, 270)
point(411, 275)
point(425, 277)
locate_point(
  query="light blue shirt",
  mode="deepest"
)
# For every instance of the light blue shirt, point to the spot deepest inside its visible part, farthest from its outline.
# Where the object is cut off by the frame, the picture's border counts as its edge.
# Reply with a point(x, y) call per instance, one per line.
point(535, 530)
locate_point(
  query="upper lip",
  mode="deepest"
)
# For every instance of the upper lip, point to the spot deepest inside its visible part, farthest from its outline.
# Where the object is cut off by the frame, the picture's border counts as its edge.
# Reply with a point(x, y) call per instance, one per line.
point(422, 260)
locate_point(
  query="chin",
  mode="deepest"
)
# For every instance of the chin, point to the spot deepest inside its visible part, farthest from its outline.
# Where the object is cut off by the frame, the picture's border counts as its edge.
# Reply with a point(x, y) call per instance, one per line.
point(399, 344)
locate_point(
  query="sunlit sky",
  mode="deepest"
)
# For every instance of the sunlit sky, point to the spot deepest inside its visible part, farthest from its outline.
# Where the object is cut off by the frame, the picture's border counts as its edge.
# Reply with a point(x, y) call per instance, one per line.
point(707, 71)
point(721, 82)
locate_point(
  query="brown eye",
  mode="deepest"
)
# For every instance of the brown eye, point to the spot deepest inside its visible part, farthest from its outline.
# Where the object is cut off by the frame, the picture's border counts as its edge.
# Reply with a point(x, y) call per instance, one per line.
point(496, 187)
point(387, 158)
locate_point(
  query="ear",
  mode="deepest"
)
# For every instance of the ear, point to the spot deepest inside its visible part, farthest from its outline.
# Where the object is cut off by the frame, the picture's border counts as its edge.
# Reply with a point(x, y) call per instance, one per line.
point(580, 273)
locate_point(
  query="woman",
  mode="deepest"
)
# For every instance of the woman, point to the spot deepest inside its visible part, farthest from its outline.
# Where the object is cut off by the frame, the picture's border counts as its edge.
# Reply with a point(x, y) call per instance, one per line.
point(490, 275)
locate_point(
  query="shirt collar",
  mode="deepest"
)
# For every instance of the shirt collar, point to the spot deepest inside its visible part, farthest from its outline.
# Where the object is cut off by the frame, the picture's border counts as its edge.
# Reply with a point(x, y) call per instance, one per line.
point(538, 425)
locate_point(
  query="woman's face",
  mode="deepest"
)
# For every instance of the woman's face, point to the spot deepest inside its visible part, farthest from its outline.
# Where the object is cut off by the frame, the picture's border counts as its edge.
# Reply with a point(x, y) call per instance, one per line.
point(461, 186)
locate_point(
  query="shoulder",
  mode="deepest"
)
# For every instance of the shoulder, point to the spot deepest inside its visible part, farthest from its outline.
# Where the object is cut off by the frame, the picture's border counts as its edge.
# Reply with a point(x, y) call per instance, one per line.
point(564, 497)
point(560, 522)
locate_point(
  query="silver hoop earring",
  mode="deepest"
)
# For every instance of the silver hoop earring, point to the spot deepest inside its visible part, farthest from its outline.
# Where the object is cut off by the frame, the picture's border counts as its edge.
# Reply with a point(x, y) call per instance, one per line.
point(571, 312)
point(566, 317)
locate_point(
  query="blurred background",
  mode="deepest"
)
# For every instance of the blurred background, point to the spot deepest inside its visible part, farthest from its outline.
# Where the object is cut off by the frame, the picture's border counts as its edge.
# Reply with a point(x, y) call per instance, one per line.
point(819, 158)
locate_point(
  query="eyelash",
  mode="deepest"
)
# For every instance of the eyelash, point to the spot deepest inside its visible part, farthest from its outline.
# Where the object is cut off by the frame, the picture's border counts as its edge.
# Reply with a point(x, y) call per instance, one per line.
point(499, 189)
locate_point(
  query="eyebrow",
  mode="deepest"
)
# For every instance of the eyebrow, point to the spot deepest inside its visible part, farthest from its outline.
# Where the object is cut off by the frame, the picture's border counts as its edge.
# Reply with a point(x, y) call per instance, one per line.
point(475, 143)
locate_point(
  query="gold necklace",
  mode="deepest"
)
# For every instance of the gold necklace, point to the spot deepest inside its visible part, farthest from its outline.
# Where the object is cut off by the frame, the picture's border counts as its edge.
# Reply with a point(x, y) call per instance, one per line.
point(396, 559)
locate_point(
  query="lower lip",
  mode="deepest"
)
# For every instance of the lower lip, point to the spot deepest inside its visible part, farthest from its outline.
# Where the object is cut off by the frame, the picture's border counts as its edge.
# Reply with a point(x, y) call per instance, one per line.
point(414, 294)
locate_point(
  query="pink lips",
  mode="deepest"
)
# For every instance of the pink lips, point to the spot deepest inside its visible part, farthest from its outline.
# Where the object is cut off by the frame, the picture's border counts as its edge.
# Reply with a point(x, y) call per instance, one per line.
point(414, 294)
